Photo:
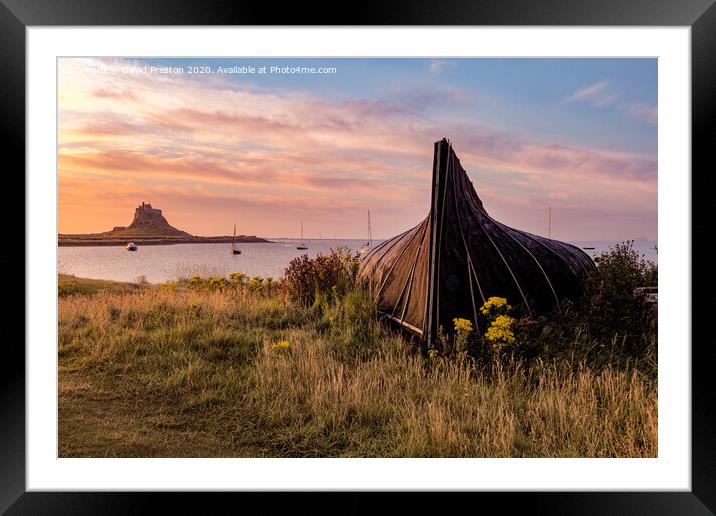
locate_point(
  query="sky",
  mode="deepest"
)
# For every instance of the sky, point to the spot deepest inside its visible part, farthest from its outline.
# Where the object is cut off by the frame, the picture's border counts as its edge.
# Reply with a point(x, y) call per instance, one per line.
point(267, 148)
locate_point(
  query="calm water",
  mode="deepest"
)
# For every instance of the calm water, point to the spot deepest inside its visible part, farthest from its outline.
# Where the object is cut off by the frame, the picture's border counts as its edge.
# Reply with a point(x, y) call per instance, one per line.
point(158, 263)
point(161, 263)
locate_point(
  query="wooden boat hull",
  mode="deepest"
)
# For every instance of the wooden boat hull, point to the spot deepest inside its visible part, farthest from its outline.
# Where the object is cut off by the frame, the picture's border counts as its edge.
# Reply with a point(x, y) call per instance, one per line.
point(448, 265)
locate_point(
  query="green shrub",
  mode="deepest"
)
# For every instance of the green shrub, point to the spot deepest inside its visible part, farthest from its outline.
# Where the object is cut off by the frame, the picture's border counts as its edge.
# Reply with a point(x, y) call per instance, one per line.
point(197, 283)
point(237, 279)
point(609, 325)
point(610, 303)
point(219, 284)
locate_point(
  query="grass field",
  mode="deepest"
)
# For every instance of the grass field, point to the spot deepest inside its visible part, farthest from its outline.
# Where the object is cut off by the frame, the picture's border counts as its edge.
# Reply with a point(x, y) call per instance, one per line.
point(69, 285)
point(148, 371)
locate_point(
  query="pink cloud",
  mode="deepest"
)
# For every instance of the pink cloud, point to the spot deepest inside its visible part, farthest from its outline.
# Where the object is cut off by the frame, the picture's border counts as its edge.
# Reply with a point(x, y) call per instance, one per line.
point(114, 94)
point(642, 112)
point(187, 167)
point(283, 156)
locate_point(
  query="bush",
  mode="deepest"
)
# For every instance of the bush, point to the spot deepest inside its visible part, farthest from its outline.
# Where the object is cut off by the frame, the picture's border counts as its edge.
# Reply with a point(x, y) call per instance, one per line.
point(237, 279)
point(610, 302)
point(609, 325)
point(323, 278)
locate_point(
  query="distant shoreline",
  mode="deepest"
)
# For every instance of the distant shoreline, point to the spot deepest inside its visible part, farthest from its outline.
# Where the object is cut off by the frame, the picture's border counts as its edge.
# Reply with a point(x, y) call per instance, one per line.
point(77, 241)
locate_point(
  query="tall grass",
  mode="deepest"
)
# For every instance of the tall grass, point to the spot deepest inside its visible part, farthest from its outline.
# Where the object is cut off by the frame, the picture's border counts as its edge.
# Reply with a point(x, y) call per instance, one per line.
point(186, 372)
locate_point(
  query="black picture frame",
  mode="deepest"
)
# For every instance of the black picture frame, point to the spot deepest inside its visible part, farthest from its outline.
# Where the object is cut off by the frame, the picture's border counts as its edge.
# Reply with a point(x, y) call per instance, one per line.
point(700, 15)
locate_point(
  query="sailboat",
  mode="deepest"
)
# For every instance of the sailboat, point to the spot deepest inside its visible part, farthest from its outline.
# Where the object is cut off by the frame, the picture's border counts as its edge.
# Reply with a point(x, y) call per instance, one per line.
point(234, 250)
point(369, 244)
point(302, 246)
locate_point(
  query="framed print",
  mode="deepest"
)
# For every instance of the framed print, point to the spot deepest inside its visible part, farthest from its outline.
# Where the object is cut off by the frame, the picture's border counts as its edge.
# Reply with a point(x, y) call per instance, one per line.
point(410, 251)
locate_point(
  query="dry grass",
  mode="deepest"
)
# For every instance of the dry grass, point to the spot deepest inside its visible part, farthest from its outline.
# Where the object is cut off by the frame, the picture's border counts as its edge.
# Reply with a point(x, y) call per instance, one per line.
point(185, 373)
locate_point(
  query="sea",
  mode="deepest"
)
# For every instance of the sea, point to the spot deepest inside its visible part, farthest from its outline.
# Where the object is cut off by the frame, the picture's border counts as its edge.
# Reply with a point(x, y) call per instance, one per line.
point(163, 263)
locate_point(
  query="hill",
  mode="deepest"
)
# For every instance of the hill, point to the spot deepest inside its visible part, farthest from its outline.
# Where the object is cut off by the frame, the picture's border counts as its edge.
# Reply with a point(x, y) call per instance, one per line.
point(148, 222)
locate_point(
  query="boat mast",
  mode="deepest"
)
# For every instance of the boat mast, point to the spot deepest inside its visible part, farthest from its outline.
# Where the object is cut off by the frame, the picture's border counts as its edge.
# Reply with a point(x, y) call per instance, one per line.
point(370, 234)
point(233, 239)
point(301, 232)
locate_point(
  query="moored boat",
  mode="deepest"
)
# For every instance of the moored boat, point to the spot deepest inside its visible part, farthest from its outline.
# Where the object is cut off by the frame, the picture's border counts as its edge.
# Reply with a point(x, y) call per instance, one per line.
point(234, 249)
point(364, 250)
point(302, 246)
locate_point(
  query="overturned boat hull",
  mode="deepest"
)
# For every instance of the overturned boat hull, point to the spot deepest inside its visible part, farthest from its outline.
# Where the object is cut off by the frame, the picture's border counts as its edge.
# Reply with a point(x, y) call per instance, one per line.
point(458, 257)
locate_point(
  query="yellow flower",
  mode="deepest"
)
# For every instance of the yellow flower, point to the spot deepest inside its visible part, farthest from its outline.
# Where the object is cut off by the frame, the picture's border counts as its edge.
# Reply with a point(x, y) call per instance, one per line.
point(280, 345)
point(494, 305)
point(500, 333)
point(433, 353)
point(462, 325)
point(463, 330)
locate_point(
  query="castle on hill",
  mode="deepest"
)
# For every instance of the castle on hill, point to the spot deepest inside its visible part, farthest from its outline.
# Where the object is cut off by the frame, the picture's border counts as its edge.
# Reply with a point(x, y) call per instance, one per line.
point(145, 215)
point(149, 226)
point(148, 221)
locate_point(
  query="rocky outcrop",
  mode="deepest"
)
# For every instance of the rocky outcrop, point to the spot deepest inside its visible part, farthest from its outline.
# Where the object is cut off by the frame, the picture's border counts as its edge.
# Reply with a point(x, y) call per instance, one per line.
point(148, 221)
